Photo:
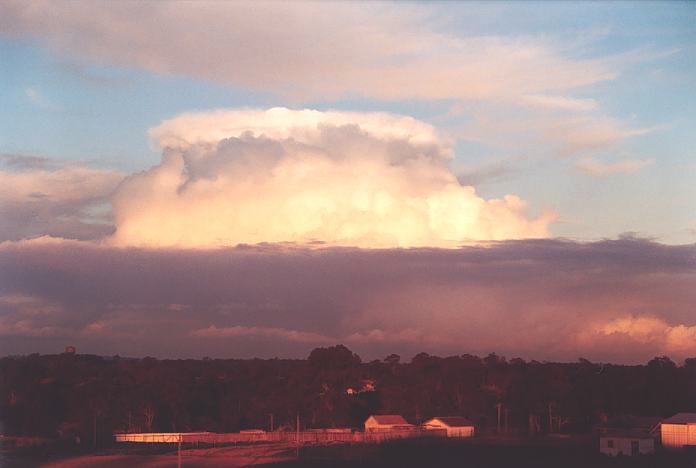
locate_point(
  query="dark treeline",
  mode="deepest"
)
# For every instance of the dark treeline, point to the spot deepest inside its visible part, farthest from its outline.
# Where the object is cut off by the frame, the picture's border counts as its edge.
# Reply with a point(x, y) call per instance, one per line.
point(69, 395)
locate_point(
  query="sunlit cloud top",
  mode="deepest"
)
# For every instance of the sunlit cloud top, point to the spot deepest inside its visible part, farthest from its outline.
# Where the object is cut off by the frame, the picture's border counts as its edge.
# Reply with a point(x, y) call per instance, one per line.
point(337, 178)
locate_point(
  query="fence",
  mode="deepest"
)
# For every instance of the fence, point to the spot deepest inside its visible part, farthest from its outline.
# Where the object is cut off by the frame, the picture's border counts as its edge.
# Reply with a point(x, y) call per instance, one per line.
point(305, 437)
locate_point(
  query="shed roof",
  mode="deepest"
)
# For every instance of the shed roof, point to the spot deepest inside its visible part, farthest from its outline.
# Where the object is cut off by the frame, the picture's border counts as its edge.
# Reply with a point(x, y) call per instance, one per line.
point(624, 433)
point(389, 419)
point(681, 418)
point(454, 421)
point(630, 422)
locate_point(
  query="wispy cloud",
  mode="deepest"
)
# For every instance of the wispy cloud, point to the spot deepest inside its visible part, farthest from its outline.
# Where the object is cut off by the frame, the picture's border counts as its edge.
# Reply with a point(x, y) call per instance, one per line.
point(560, 102)
point(39, 100)
point(597, 168)
point(307, 50)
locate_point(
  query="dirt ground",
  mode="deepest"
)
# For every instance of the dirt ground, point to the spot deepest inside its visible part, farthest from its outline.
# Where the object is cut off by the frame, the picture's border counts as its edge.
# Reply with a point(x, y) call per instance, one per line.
point(445, 453)
point(229, 456)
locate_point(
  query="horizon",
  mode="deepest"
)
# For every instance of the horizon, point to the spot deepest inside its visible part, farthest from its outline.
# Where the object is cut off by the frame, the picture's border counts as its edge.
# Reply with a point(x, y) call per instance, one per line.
point(515, 360)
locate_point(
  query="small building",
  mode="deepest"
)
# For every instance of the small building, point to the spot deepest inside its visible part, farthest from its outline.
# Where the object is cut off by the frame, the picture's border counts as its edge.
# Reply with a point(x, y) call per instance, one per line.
point(678, 431)
point(456, 426)
point(387, 422)
point(628, 435)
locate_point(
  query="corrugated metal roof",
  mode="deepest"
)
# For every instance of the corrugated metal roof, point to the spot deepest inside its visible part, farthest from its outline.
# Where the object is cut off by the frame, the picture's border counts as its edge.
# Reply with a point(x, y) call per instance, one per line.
point(454, 421)
point(681, 418)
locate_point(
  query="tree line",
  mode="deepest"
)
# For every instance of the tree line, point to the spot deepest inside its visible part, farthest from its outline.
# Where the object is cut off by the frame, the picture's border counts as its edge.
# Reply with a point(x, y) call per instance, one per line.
point(74, 396)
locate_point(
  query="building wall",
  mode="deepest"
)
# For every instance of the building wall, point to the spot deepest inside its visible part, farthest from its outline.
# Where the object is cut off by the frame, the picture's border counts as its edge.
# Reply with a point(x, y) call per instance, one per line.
point(460, 431)
point(466, 431)
point(623, 446)
point(678, 435)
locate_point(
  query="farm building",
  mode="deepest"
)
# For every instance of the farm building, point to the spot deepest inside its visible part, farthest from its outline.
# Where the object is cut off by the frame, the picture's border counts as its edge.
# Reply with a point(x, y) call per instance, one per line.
point(628, 435)
point(456, 426)
point(387, 422)
point(678, 431)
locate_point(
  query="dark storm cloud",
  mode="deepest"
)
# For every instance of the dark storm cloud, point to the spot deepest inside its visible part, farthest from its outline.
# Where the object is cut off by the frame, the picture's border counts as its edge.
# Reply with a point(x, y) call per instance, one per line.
point(541, 299)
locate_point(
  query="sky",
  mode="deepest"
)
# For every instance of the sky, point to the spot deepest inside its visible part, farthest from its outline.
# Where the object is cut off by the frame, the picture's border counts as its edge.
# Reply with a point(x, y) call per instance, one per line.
point(231, 179)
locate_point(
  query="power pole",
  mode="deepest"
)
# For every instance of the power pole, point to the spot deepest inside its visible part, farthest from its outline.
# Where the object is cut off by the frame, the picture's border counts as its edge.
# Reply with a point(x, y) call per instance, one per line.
point(94, 432)
point(550, 419)
point(298, 435)
point(271, 416)
point(178, 464)
point(498, 406)
point(506, 419)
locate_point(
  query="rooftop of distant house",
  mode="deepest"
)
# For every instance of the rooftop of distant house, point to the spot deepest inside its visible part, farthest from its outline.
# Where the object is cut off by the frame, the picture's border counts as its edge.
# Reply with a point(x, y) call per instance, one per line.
point(454, 421)
point(389, 419)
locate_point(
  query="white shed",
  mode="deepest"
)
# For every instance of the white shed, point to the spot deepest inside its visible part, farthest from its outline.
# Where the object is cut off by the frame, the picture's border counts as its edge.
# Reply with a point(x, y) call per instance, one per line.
point(628, 435)
point(626, 442)
point(387, 422)
point(456, 426)
point(678, 431)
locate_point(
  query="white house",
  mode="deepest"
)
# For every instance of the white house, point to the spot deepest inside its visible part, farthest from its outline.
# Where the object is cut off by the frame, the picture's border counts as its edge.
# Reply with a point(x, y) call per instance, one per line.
point(678, 431)
point(628, 435)
point(456, 426)
point(626, 442)
point(387, 422)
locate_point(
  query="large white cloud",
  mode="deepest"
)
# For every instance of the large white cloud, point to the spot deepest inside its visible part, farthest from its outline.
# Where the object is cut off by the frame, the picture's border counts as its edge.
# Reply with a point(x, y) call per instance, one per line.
point(278, 175)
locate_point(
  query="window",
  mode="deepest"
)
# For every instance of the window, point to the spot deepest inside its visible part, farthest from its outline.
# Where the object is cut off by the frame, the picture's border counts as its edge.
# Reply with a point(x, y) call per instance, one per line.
point(610, 443)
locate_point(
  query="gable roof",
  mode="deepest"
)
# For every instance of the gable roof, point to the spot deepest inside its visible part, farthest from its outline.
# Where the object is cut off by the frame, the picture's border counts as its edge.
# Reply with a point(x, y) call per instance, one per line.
point(681, 418)
point(389, 419)
point(454, 421)
point(630, 422)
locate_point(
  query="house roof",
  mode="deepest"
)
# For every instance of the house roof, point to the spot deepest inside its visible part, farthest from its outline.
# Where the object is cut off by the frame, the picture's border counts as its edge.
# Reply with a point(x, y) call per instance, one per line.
point(620, 433)
point(390, 419)
point(630, 422)
point(681, 418)
point(454, 421)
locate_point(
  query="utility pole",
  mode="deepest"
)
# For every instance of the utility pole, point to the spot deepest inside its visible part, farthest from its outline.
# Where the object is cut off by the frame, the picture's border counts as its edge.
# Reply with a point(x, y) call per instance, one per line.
point(298, 436)
point(506, 419)
point(271, 416)
point(178, 464)
point(550, 419)
point(498, 406)
point(94, 432)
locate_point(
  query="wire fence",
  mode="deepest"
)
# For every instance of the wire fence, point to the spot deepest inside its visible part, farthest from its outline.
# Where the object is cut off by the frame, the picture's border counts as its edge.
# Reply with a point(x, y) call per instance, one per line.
point(303, 437)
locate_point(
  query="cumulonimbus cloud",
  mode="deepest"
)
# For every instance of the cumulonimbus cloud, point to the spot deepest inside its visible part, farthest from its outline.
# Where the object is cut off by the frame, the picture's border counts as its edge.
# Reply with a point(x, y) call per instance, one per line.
point(280, 175)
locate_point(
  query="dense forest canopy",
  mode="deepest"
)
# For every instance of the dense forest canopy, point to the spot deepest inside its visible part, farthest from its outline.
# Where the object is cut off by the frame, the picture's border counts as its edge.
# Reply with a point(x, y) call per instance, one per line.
point(67, 395)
